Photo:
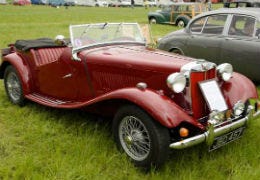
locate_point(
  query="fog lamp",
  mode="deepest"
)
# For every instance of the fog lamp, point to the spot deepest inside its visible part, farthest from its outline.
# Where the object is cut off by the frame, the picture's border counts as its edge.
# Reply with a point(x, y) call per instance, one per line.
point(184, 132)
point(176, 82)
point(225, 71)
point(238, 108)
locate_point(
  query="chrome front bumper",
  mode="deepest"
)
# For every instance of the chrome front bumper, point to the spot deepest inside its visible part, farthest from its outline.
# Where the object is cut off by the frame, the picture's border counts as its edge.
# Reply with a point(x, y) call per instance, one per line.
point(214, 132)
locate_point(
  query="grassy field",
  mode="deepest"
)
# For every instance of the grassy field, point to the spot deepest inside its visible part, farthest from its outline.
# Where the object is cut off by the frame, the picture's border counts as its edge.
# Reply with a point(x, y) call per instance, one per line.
point(43, 143)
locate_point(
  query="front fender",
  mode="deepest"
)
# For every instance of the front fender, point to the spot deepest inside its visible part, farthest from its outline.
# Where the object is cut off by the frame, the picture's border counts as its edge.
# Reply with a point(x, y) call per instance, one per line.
point(23, 71)
point(159, 17)
point(239, 88)
point(160, 107)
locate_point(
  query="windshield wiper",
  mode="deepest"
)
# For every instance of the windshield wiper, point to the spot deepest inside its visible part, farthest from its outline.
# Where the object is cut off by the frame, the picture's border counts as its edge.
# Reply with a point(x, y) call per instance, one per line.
point(85, 30)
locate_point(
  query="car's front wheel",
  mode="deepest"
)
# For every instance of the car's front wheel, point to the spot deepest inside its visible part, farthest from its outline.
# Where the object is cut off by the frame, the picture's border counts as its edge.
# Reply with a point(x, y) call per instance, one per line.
point(13, 86)
point(152, 21)
point(143, 139)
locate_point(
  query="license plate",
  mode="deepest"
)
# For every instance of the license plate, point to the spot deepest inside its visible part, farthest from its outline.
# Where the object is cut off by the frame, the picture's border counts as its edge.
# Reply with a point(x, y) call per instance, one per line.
point(226, 138)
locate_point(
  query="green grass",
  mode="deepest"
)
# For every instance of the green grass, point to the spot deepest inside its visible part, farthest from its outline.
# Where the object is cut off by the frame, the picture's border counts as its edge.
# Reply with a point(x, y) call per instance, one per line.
point(43, 143)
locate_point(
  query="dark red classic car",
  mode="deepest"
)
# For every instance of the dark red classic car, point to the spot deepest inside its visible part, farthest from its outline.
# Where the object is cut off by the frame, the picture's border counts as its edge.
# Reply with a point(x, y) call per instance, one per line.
point(157, 100)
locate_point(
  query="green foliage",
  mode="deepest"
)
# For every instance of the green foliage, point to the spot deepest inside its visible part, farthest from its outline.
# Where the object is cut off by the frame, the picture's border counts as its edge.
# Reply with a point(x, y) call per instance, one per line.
point(43, 143)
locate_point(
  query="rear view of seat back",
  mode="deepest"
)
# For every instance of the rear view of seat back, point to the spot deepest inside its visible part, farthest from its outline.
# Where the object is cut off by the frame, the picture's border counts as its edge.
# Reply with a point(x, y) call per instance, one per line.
point(44, 56)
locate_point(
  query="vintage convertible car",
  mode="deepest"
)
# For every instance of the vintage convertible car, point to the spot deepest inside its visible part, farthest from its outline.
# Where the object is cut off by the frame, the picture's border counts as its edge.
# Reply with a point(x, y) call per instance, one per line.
point(158, 100)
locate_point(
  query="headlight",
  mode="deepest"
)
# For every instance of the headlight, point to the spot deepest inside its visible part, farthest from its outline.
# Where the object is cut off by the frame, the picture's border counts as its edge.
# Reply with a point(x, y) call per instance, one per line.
point(176, 82)
point(238, 108)
point(225, 71)
point(216, 117)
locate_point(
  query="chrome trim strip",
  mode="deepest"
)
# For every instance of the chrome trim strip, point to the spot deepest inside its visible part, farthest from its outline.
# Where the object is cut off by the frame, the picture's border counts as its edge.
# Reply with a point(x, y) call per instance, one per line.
point(213, 132)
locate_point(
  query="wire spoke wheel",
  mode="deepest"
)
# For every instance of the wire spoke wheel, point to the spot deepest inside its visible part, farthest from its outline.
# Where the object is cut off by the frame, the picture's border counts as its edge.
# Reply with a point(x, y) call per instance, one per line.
point(134, 138)
point(13, 86)
point(145, 141)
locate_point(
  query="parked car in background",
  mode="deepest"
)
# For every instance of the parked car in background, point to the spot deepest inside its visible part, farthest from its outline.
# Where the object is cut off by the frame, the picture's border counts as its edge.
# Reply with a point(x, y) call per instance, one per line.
point(226, 35)
point(242, 3)
point(93, 3)
point(176, 13)
point(21, 2)
point(56, 3)
point(39, 2)
point(69, 2)
point(157, 100)
point(119, 3)
point(152, 3)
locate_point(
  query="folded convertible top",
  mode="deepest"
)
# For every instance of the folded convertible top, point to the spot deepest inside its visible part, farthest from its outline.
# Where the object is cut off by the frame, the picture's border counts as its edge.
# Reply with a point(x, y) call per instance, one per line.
point(25, 45)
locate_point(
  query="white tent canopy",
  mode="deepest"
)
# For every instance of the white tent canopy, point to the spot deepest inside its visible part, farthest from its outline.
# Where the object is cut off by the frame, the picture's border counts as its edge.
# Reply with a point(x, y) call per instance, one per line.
point(2, 1)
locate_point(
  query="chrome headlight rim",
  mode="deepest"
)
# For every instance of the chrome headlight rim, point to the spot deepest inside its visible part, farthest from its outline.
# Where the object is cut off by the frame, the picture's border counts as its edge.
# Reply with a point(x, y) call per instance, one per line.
point(225, 71)
point(176, 82)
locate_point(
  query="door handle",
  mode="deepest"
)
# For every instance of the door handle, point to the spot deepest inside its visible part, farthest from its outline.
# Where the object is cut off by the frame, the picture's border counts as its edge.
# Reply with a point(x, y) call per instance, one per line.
point(67, 76)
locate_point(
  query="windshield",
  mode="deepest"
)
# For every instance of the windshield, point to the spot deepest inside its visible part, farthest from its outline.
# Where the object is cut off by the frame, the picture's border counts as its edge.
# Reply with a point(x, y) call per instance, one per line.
point(91, 34)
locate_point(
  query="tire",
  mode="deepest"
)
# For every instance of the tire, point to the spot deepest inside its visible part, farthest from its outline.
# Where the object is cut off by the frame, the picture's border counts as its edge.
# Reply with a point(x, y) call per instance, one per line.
point(152, 21)
point(145, 141)
point(181, 23)
point(13, 86)
point(176, 51)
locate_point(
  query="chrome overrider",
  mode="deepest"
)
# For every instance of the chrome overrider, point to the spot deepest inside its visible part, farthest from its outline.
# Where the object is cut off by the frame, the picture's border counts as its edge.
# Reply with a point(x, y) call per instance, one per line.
point(215, 131)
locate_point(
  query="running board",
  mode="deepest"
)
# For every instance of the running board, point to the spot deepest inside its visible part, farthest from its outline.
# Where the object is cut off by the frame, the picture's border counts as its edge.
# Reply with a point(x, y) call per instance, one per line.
point(45, 100)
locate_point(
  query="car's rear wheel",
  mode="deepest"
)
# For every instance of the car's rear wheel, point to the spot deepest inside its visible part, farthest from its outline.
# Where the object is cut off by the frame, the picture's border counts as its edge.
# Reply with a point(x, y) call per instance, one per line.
point(177, 51)
point(152, 21)
point(181, 23)
point(143, 139)
point(13, 86)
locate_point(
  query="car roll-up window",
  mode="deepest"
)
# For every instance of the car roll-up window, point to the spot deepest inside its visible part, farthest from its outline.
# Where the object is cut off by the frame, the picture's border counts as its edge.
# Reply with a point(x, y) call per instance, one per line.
point(197, 25)
point(242, 26)
point(215, 24)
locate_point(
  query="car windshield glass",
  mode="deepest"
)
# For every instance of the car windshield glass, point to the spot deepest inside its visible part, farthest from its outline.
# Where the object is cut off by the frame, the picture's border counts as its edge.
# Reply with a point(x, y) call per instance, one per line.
point(90, 34)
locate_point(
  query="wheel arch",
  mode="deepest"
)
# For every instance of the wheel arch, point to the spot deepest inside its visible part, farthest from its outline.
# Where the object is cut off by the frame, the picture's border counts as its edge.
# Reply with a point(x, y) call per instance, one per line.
point(172, 49)
point(22, 69)
point(184, 18)
point(159, 107)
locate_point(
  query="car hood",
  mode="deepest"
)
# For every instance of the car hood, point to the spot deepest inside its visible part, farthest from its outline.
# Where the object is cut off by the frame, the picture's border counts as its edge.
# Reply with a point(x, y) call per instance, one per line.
point(137, 57)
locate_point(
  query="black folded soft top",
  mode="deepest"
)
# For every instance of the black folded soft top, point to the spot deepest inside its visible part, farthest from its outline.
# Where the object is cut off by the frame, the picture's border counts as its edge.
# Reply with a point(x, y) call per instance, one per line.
point(25, 45)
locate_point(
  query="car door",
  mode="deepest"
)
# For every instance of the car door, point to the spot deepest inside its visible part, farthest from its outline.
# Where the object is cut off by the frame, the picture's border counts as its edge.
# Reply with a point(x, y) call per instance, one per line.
point(166, 12)
point(241, 47)
point(206, 37)
point(55, 77)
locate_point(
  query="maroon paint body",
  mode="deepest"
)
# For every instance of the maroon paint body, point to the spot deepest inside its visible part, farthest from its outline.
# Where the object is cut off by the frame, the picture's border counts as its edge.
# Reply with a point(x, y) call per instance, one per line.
point(110, 74)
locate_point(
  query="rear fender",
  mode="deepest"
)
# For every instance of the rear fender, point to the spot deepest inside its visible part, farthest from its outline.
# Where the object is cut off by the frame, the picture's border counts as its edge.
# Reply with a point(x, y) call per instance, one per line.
point(182, 17)
point(23, 70)
point(160, 107)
